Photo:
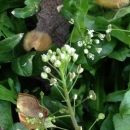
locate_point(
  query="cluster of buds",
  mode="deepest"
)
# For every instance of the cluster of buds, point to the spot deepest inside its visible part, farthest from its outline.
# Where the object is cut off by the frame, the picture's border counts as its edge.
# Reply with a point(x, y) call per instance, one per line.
point(59, 60)
point(92, 39)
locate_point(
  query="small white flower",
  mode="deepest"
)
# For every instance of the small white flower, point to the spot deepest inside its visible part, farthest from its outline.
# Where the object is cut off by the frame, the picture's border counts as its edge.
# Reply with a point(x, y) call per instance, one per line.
point(62, 56)
point(53, 81)
point(57, 63)
point(40, 115)
point(79, 69)
point(90, 33)
point(75, 96)
point(53, 58)
point(75, 57)
point(97, 41)
point(90, 56)
point(80, 43)
point(108, 31)
point(47, 69)
point(44, 58)
point(67, 47)
point(71, 51)
point(99, 50)
point(44, 75)
point(101, 36)
point(86, 51)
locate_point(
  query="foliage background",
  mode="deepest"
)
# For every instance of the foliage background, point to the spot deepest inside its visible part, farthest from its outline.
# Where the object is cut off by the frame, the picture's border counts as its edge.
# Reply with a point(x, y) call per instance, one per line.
point(107, 74)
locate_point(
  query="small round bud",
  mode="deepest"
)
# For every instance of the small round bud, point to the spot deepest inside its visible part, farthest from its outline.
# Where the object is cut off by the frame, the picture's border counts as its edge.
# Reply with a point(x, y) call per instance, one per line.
point(44, 58)
point(75, 57)
point(47, 69)
point(57, 63)
point(40, 115)
point(44, 75)
point(101, 116)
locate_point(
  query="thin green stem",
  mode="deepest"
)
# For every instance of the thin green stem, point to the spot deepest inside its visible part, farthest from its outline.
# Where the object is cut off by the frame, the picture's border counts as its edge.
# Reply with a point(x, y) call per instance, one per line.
point(62, 116)
point(93, 124)
point(73, 83)
point(68, 103)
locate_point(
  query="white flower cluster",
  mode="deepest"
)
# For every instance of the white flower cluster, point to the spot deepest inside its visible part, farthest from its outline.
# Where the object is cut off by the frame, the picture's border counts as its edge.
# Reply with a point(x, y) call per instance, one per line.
point(88, 41)
point(59, 59)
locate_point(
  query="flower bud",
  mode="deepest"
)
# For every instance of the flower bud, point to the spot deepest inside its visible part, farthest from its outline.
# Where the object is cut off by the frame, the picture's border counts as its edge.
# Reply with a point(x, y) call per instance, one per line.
point(53, 81)
point(44, 58)
point(44, 75)
point(57, 63)
point(80, 69)
point(101, 116)
point(47, 69)
point(75, 57)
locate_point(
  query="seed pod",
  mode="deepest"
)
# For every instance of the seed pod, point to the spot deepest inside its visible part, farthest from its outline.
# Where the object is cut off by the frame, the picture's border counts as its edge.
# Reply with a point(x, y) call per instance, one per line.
point(112, 3)
point(37, 40)
point(29, 107)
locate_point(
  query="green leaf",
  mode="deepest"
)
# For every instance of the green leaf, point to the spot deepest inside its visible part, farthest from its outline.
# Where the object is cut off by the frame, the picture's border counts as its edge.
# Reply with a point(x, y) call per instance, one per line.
point(18, 126)
point(23, 65)
point(9, 43)
point(108, 123)
point(125, 105)
point(119, 54)
point(31, 8)
point(121, 124)
point(116, 96)
point(5, 115)
point(120, 13)
point(121, 35)
point(6, 94)
point(7, 4)
point(107, 48)
point(5, 20)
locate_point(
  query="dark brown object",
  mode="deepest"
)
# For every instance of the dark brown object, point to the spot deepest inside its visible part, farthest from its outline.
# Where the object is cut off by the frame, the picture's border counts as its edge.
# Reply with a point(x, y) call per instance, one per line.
point(51, 22)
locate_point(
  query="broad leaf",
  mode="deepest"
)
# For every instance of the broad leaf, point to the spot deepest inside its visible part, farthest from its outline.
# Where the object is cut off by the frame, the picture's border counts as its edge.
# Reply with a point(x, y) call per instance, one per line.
point(5, 115)
point(120, 54)
point(121, 124)
point(116, 96)
point(125, 105)
point(6, 94)
point(23, 65)
point(31, 8)
point(18, 126)
point(9, 43)
point(7, 4)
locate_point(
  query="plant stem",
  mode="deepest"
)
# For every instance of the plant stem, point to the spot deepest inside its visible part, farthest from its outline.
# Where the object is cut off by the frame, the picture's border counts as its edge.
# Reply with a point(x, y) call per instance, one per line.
point(71, 112)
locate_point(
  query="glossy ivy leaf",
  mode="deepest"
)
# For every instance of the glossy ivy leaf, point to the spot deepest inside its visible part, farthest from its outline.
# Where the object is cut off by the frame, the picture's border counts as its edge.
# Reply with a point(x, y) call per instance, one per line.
point(23, 65)
point(8, 94)
point(125, 105)
point(121, 124)
point(18, 126)
point(5, 115)
point(31, 8)
point(116, 96)
point(119, 54)
point(9, 43)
